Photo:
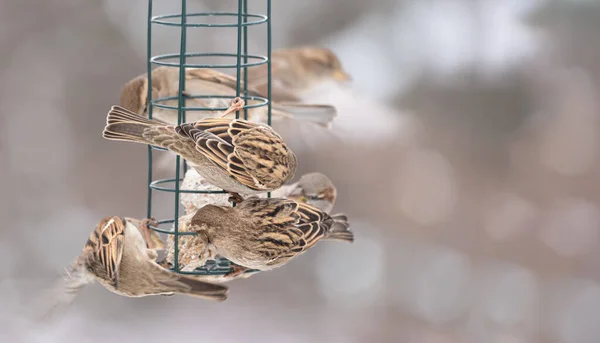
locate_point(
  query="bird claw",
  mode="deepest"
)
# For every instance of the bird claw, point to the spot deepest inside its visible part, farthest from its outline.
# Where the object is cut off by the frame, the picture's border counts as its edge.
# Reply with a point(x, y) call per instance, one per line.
point(164, 264)
point(147, 222)
point(237, 271)
point(237, 104)
point(235, 198)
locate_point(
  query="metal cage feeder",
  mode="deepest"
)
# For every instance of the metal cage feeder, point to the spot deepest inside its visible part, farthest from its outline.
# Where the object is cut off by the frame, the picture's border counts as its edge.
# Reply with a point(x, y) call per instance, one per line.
point(243, 20)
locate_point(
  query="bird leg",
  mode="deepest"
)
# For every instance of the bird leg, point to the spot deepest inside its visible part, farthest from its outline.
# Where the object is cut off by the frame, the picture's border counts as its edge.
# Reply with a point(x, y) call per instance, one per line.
point(235, 198)
point(145, 226)
point(237, 104)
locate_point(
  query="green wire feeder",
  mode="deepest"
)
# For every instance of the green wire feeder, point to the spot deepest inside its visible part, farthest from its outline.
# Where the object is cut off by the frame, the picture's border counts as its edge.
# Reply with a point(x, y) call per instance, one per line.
point(243, 61)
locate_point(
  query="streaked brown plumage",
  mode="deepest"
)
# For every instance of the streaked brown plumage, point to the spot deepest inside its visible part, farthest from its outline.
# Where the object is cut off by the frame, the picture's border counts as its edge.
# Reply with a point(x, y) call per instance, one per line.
point(265, 233)
point(209, 82)
point(117, 256)
point(236, 155)
point(295, 71)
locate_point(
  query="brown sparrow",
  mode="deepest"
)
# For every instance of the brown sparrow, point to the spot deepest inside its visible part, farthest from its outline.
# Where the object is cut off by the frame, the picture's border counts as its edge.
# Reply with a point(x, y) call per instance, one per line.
point(315, 189)
point(208, 82)
point(263, 233)
point(295, 71)
point(117, 256)
point(233, 154)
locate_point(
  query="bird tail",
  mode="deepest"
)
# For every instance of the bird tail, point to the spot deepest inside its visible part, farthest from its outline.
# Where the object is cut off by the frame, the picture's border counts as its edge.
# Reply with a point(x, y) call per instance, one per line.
point(322, 115)
point(125, 125)
point(340, 229)
point(201, 289)
point(54, 302)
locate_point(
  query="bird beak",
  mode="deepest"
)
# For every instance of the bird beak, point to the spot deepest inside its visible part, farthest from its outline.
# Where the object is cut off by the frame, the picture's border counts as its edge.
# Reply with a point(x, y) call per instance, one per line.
point(340, 75)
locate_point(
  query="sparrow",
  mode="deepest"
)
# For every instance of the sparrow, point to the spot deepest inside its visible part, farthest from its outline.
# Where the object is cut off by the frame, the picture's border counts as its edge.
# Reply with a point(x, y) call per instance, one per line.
point(190, 255)
point(295, 71)
point(117, 256)
point(236, 155)
point(208, 82)
point(262, 234)
point(315, 189)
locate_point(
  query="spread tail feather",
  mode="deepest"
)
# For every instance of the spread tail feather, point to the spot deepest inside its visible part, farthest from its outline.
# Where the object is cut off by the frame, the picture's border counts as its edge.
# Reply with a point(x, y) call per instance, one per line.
point(54, 302)
point(340, 229)
point(322, 115)
point(125, 125)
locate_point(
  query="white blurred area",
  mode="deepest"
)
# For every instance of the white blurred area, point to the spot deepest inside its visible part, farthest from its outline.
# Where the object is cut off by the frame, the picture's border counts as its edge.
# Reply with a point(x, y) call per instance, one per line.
point(469, 169)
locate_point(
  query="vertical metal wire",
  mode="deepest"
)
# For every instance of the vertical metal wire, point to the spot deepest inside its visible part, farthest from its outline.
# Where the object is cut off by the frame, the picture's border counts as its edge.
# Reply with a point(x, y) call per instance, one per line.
point(269, 59)
point(239, 53)
point(180, 116)
point(269, 67)
point(245, 56)
point(149, 67)
point(242, 51)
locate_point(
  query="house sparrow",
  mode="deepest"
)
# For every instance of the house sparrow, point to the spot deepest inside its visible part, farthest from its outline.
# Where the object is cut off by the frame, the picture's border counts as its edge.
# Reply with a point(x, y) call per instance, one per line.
point(208, 82)
point(314, 189)
point(295, 71)
point(190, 255)
point(263, 234)
point(233, 154)
point(117, 256)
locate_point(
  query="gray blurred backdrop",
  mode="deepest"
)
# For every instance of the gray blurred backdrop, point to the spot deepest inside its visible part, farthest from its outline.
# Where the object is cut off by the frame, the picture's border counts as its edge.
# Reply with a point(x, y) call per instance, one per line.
point(469, 170)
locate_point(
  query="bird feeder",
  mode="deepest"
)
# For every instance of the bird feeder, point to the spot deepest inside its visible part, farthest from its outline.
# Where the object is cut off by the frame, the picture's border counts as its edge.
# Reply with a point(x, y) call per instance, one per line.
point(240, 20)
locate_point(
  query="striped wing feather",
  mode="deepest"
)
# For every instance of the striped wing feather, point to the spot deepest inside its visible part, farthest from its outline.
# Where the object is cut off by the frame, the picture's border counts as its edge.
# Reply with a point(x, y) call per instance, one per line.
point(249, 152)
point(288, 228)
point(106, 245)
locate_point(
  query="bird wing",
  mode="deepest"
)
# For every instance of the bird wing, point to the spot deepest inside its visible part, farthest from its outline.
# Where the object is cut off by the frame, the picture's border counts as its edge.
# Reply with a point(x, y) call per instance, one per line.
point(251, 154)
point(219, 78)
point(288, 227)
point(106, 246)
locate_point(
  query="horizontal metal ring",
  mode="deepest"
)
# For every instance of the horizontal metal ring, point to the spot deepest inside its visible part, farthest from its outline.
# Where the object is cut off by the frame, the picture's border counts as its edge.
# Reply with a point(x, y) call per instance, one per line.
point(263, 102)
point(250, 19)
point(169, 232)
point(159, 60)
point(155, 185)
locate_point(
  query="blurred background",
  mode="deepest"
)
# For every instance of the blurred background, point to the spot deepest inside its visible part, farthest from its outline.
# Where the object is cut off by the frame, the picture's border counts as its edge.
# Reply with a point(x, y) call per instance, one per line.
point(470, 171)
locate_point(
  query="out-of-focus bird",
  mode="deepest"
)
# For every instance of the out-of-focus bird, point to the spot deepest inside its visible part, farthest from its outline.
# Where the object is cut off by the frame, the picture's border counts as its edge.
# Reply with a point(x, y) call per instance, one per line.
point(315, 189)
point(117, 256)
point(206, 83)
point(233, 154)
point(263, 233)
point(296, 71)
